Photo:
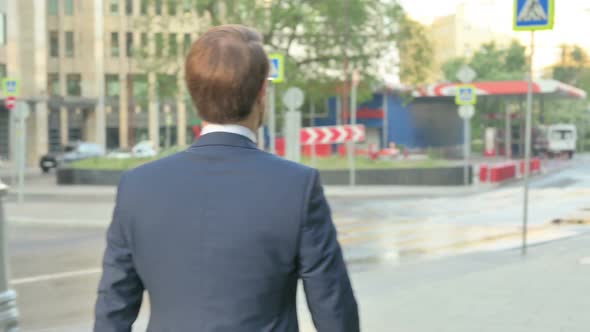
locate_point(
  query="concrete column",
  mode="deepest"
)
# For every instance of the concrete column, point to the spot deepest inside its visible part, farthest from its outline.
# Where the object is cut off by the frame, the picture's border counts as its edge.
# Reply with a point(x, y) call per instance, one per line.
point(153, 112)
point(64, 126)
point(180, 105)
point(37, 129)
point(90, 118)
point(100, 126)
point(123, 113)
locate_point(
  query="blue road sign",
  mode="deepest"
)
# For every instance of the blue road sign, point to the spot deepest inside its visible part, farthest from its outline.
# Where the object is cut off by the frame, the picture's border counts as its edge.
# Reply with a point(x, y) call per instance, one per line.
point(10, 87)
point(534, 14)
point(466, 94)
point(277, 68)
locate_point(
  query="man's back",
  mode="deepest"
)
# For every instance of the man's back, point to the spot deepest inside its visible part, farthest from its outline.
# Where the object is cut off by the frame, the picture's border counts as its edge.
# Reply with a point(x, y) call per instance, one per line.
point(219, 235)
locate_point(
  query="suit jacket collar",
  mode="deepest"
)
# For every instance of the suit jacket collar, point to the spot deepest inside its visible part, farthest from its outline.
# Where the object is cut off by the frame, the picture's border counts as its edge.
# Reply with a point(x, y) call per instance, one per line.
point(224, 138)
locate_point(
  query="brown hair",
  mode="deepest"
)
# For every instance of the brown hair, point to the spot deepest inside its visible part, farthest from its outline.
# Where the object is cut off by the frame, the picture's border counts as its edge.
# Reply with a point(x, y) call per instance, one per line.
point(224, 71)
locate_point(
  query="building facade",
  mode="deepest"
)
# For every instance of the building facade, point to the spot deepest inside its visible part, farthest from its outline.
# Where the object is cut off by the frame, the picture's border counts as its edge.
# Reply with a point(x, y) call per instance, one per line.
point(85, 75)
point(463, 32)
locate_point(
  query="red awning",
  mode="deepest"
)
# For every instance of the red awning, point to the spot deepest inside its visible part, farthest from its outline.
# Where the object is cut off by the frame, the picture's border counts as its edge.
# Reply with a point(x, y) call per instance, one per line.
point(550, 88)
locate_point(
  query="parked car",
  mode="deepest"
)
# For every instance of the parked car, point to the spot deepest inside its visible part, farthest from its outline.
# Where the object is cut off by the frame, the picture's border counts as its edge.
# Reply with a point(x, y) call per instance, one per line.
point(71, 152)
point(143, 149)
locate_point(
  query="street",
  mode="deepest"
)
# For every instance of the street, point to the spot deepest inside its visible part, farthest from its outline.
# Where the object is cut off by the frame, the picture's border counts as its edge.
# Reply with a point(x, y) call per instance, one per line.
point(56, 246)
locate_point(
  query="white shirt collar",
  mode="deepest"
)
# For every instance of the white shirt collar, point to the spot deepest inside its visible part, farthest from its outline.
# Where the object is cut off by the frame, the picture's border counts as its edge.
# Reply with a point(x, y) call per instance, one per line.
point(229, 128)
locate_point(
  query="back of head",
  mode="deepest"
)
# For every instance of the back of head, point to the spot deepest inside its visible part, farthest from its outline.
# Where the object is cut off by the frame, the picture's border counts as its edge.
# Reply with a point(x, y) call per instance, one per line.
point(225, 71)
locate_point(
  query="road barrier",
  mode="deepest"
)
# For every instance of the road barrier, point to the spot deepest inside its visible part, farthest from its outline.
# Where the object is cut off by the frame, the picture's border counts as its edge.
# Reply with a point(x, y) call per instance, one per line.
point(501, 172)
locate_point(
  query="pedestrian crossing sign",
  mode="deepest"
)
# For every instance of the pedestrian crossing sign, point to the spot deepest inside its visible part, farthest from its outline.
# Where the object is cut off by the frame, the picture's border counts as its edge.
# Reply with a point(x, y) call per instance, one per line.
point(10, 87)
point(466, 95)
point(532, 15)
point(277, 68)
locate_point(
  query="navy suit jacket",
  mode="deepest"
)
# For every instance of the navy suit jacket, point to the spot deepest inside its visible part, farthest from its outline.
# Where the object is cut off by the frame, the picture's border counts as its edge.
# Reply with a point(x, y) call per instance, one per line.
point(218, 236)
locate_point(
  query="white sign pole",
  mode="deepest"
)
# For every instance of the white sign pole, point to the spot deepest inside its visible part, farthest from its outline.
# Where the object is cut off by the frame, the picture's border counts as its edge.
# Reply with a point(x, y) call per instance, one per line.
point(293, 100)
point(22, 113)
point(22, 159)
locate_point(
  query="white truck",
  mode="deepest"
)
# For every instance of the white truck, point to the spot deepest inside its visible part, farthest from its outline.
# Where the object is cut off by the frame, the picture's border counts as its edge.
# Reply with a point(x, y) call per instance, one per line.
point(556, 140)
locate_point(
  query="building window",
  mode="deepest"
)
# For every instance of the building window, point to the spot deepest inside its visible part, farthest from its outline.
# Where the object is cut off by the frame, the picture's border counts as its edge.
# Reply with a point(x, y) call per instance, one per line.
point(187, 5)
point(129, 44)
point(53, 7)
point(144, 7)
point(69, 44)
point(114, 44)
point(112, 85)
point(129, 7)
point(140, 90)
point(144, 40)
point(172, 7)
point(187, 42)
point(53, 43)
point(172, 45)
point(158, 7)
point(73, 82)
point(114, 7)
point(159, 44)
point(144, 43)
point(69, 7)
point(166, 86)
point(53, 84)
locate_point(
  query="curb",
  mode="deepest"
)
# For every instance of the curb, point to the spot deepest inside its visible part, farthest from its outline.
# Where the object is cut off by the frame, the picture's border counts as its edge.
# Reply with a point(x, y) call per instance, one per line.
point(74, 223)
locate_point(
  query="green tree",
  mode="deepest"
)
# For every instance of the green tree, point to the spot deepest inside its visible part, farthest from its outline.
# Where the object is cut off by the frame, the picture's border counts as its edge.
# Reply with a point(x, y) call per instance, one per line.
point(319, 38)
point(572, 67)
point(492, 63)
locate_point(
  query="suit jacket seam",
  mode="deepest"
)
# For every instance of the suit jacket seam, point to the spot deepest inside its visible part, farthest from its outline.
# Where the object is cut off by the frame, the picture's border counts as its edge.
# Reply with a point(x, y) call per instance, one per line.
point(304, 212)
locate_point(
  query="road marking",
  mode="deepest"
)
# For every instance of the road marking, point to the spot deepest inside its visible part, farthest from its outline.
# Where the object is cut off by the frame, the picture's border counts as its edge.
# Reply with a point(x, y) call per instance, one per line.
point(55, 276)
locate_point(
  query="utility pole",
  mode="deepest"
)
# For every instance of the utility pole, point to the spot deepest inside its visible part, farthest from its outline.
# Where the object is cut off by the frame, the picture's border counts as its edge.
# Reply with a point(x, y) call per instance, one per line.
point(527, 147)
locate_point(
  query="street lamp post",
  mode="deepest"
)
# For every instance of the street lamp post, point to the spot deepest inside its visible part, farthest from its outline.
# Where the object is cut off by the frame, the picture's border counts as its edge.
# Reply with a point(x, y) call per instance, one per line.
point(8, 310)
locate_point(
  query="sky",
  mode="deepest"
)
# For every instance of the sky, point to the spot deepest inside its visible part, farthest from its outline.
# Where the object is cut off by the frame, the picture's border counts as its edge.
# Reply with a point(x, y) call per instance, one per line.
point(572, 22)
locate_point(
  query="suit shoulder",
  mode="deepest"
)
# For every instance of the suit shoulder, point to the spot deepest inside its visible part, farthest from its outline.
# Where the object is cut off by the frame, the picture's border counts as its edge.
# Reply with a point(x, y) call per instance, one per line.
point(155, 166)
point(285, 164)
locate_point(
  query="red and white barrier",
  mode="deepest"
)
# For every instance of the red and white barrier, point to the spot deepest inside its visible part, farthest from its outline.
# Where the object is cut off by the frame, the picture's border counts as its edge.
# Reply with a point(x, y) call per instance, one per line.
point(497, 173)
point(332, 134)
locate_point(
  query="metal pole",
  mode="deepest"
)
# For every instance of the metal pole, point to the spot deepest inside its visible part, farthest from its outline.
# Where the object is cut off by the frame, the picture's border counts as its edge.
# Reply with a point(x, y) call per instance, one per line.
point(385, 120)
point(313, 147)
point(351, 147)
point(271, 118)
point(8, 310)
point(21, 152)
point(527, 147)
point(466, 152)
point(508, 134)
point(14, 146)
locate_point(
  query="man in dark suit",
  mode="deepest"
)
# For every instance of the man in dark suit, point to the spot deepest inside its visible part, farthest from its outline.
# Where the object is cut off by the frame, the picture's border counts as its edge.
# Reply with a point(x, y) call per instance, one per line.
point(220, 234)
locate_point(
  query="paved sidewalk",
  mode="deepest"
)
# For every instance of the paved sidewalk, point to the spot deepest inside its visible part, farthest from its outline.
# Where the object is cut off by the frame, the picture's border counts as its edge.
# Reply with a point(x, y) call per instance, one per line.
point(546, 291)
point(501, 291)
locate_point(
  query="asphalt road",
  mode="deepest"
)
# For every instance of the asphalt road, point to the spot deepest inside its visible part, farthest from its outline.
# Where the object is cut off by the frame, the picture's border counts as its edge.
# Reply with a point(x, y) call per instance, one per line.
point(55, 265)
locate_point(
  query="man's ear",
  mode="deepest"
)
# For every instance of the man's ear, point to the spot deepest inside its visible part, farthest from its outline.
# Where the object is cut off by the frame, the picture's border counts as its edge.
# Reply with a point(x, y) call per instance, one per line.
point(262, 92)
